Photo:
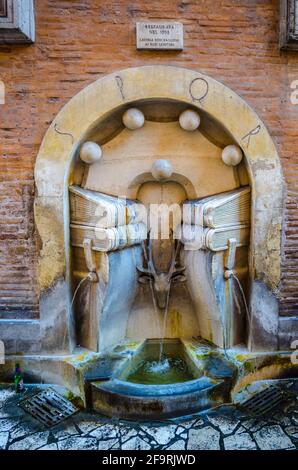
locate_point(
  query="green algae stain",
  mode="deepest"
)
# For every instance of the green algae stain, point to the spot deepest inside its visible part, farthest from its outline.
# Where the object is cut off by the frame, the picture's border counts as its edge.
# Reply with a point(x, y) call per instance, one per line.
point(175, 322)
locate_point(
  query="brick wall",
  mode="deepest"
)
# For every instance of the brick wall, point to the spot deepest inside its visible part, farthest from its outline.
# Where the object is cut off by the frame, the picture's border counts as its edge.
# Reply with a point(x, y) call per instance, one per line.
point(78, 41)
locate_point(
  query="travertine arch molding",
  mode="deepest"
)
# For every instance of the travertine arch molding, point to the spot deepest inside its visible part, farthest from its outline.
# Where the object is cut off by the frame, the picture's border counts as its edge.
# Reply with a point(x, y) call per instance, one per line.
point(89, 107)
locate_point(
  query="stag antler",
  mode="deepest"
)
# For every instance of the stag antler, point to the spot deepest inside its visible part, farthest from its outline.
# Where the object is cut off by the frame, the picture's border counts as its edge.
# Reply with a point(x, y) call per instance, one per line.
point(174, 270)
point(151, 264)
point(150, 270)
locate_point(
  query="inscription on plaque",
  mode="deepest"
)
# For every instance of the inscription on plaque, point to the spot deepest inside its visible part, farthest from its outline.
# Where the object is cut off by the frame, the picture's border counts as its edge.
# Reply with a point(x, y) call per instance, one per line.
point(167, 35)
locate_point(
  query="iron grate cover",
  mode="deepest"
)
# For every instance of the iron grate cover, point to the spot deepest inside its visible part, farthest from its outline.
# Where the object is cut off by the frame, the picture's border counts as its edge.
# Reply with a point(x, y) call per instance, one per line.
point(265, 401)
point(48, 407)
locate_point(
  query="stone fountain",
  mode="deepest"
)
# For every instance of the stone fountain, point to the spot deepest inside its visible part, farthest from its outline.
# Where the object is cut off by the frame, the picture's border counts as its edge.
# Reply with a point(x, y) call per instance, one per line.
point(159, 198)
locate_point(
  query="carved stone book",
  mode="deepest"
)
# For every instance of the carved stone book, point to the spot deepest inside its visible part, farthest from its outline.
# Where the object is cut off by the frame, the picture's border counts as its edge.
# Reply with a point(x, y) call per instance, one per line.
point(195, 237)
point(101, 210)
point(109, 239)
point(229, 208)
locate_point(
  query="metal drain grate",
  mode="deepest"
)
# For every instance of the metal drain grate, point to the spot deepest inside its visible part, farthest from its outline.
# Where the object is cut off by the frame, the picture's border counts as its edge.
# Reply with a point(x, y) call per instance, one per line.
point(265, 401)
point(48, 407)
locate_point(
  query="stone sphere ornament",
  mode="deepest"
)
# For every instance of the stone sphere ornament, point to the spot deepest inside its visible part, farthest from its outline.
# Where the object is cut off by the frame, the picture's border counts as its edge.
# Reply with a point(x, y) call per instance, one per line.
point(189, 120)
point(133, 119)
point(232, 155)
point(161, 170)
point(90, 152)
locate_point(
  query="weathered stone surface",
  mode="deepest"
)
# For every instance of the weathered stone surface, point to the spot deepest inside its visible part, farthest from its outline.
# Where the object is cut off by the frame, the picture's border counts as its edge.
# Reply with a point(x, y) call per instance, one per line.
point(136, 443)
point(198, 423)
point(3, 440)
point(31, 442)
point(253, 424)
point(23, 429)
point(87, 426)
point(56, 333)
point(265, 320)
point(6, 394)
point(105, 431)
point(206, 438)
point(272, 438)
point(162, 434)
point(65, 431)
point(111, 435)
point(20, 335)
point(127, 433)
point(7, 424)
point(109, 444)
point(292, 431)
point(295, 418)
point(226, 424)
point(285, 421)
point(241, 441)
point(49, 447)
point(178, 445)
point(75, 443)
point(240, 430)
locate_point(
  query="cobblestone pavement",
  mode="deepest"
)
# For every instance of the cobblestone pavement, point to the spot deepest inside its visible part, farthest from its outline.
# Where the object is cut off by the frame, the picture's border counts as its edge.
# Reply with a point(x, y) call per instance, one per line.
point(222, 428)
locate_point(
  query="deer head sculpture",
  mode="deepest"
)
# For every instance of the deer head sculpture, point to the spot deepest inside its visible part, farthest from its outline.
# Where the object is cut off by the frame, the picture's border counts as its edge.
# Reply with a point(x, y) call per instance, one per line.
point(161, 281)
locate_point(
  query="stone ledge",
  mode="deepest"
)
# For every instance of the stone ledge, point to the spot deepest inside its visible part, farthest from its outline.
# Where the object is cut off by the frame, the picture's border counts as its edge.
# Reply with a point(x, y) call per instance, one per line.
point(20, 335)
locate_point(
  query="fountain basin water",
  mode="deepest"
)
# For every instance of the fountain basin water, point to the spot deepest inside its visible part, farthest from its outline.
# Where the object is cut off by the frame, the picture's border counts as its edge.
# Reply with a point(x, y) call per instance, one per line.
point(143, 388)
point(175, 365)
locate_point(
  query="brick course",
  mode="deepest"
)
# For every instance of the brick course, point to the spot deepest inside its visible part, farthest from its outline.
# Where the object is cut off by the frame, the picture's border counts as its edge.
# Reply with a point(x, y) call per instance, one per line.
point(78, 41)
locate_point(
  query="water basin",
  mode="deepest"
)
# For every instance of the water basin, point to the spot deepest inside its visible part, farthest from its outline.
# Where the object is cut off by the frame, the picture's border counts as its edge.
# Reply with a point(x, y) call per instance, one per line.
point(146, 368)
point(145, 388)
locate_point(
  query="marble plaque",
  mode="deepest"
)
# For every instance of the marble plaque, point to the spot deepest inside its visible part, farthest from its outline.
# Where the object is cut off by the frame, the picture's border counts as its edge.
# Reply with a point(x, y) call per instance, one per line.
point(167, 35)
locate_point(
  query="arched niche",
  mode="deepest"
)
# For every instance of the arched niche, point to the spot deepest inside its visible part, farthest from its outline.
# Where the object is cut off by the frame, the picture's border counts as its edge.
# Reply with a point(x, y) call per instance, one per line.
point(83, 114)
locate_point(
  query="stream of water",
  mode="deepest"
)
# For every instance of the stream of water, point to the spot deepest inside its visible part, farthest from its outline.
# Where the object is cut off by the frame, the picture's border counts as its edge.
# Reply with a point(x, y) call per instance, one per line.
point(248, 317)
point(77, 290)
point(164, 326)
point(166, 310)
